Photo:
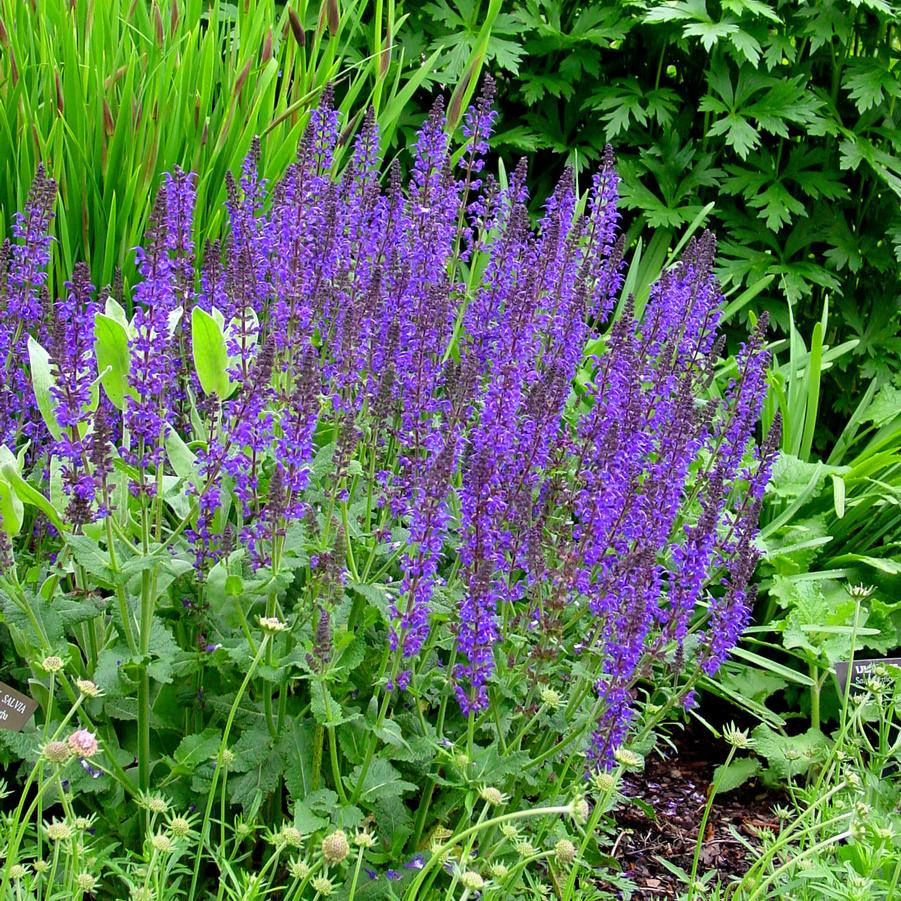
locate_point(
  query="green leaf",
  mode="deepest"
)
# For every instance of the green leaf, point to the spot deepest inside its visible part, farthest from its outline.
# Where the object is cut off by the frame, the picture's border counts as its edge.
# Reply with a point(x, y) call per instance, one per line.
point(42, 381)
point(737, 773)
point(30, 495)
point(789, 755)
point(181, 457)
point(193, 750)
point(296, 745)
point(382, 781)
point(88, 555)
point(111, 351)
point(210, 353)
point(12, 510)
point(326, 709)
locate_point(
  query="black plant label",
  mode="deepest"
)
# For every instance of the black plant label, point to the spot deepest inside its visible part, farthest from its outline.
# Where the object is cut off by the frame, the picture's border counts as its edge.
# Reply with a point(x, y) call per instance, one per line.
point(856, 674)
point(15, 708)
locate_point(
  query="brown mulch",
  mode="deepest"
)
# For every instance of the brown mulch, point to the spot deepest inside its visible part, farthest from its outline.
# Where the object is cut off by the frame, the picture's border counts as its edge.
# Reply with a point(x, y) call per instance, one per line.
point(675, 785)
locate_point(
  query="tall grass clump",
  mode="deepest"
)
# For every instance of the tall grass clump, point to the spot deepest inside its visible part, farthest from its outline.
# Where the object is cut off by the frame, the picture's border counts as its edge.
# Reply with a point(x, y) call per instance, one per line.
point(317, 564)
point(110, 95)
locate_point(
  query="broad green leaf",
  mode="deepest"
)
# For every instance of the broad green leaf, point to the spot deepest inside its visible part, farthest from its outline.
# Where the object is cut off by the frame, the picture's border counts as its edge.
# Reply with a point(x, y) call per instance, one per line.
point(381, 781)
point(737, 773)
point(30, 495)
point(12, 510)
point(194, 750)
point(210, 353)
point(42, 381)
point(111, 351)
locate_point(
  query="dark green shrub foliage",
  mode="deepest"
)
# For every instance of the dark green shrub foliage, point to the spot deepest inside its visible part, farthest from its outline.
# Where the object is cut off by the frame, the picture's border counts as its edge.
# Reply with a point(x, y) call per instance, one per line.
point(783, 113)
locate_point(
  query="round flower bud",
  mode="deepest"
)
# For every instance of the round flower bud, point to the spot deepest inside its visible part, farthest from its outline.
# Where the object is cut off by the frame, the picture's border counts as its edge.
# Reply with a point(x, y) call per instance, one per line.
point(509, 831)
point(272, 624)
point(179, 827)
point(41, 866)
point(472, 881)
point(83, 743)
point(88, 688)
point(59, 831)
point(492, 795)
point(56, 752)
point(551, 698)
point(364, 839)
point(243, 829)
point(227, 757)
point(565, 852)
point(299, 869)
point(291, 836)
point(524, 848)
point(499, 871)
point(629, 759)
point(86, 882)
point(603, 782)
point(738, 738)
point(52, 664)
point(156, 804)
point(141, 893)
point(335, 847)
point(579, 810)
point(323, 885)
point(17, 872)
point(162, 843)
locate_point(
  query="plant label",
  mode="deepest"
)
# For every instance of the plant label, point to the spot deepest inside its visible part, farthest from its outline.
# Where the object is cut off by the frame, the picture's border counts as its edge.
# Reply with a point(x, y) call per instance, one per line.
point(856, 673)
point(15, 708)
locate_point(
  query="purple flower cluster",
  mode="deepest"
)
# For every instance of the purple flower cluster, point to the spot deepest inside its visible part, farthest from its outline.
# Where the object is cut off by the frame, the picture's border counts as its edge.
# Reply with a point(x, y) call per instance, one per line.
point(431, 343)
point(23, 275)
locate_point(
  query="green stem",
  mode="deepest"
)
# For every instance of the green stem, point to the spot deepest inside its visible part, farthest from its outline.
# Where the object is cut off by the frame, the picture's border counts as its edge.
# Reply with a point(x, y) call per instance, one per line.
point(711, 795)
point(223, 744)
point(440, 853)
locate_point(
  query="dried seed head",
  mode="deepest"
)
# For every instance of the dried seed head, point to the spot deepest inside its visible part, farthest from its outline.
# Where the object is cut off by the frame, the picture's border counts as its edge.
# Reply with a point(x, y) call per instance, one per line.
point(335, 847)
point(57, 752)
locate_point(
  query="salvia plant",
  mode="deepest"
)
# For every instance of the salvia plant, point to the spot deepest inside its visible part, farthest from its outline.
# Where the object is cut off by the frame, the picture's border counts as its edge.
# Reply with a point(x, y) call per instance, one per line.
point(314, 520)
